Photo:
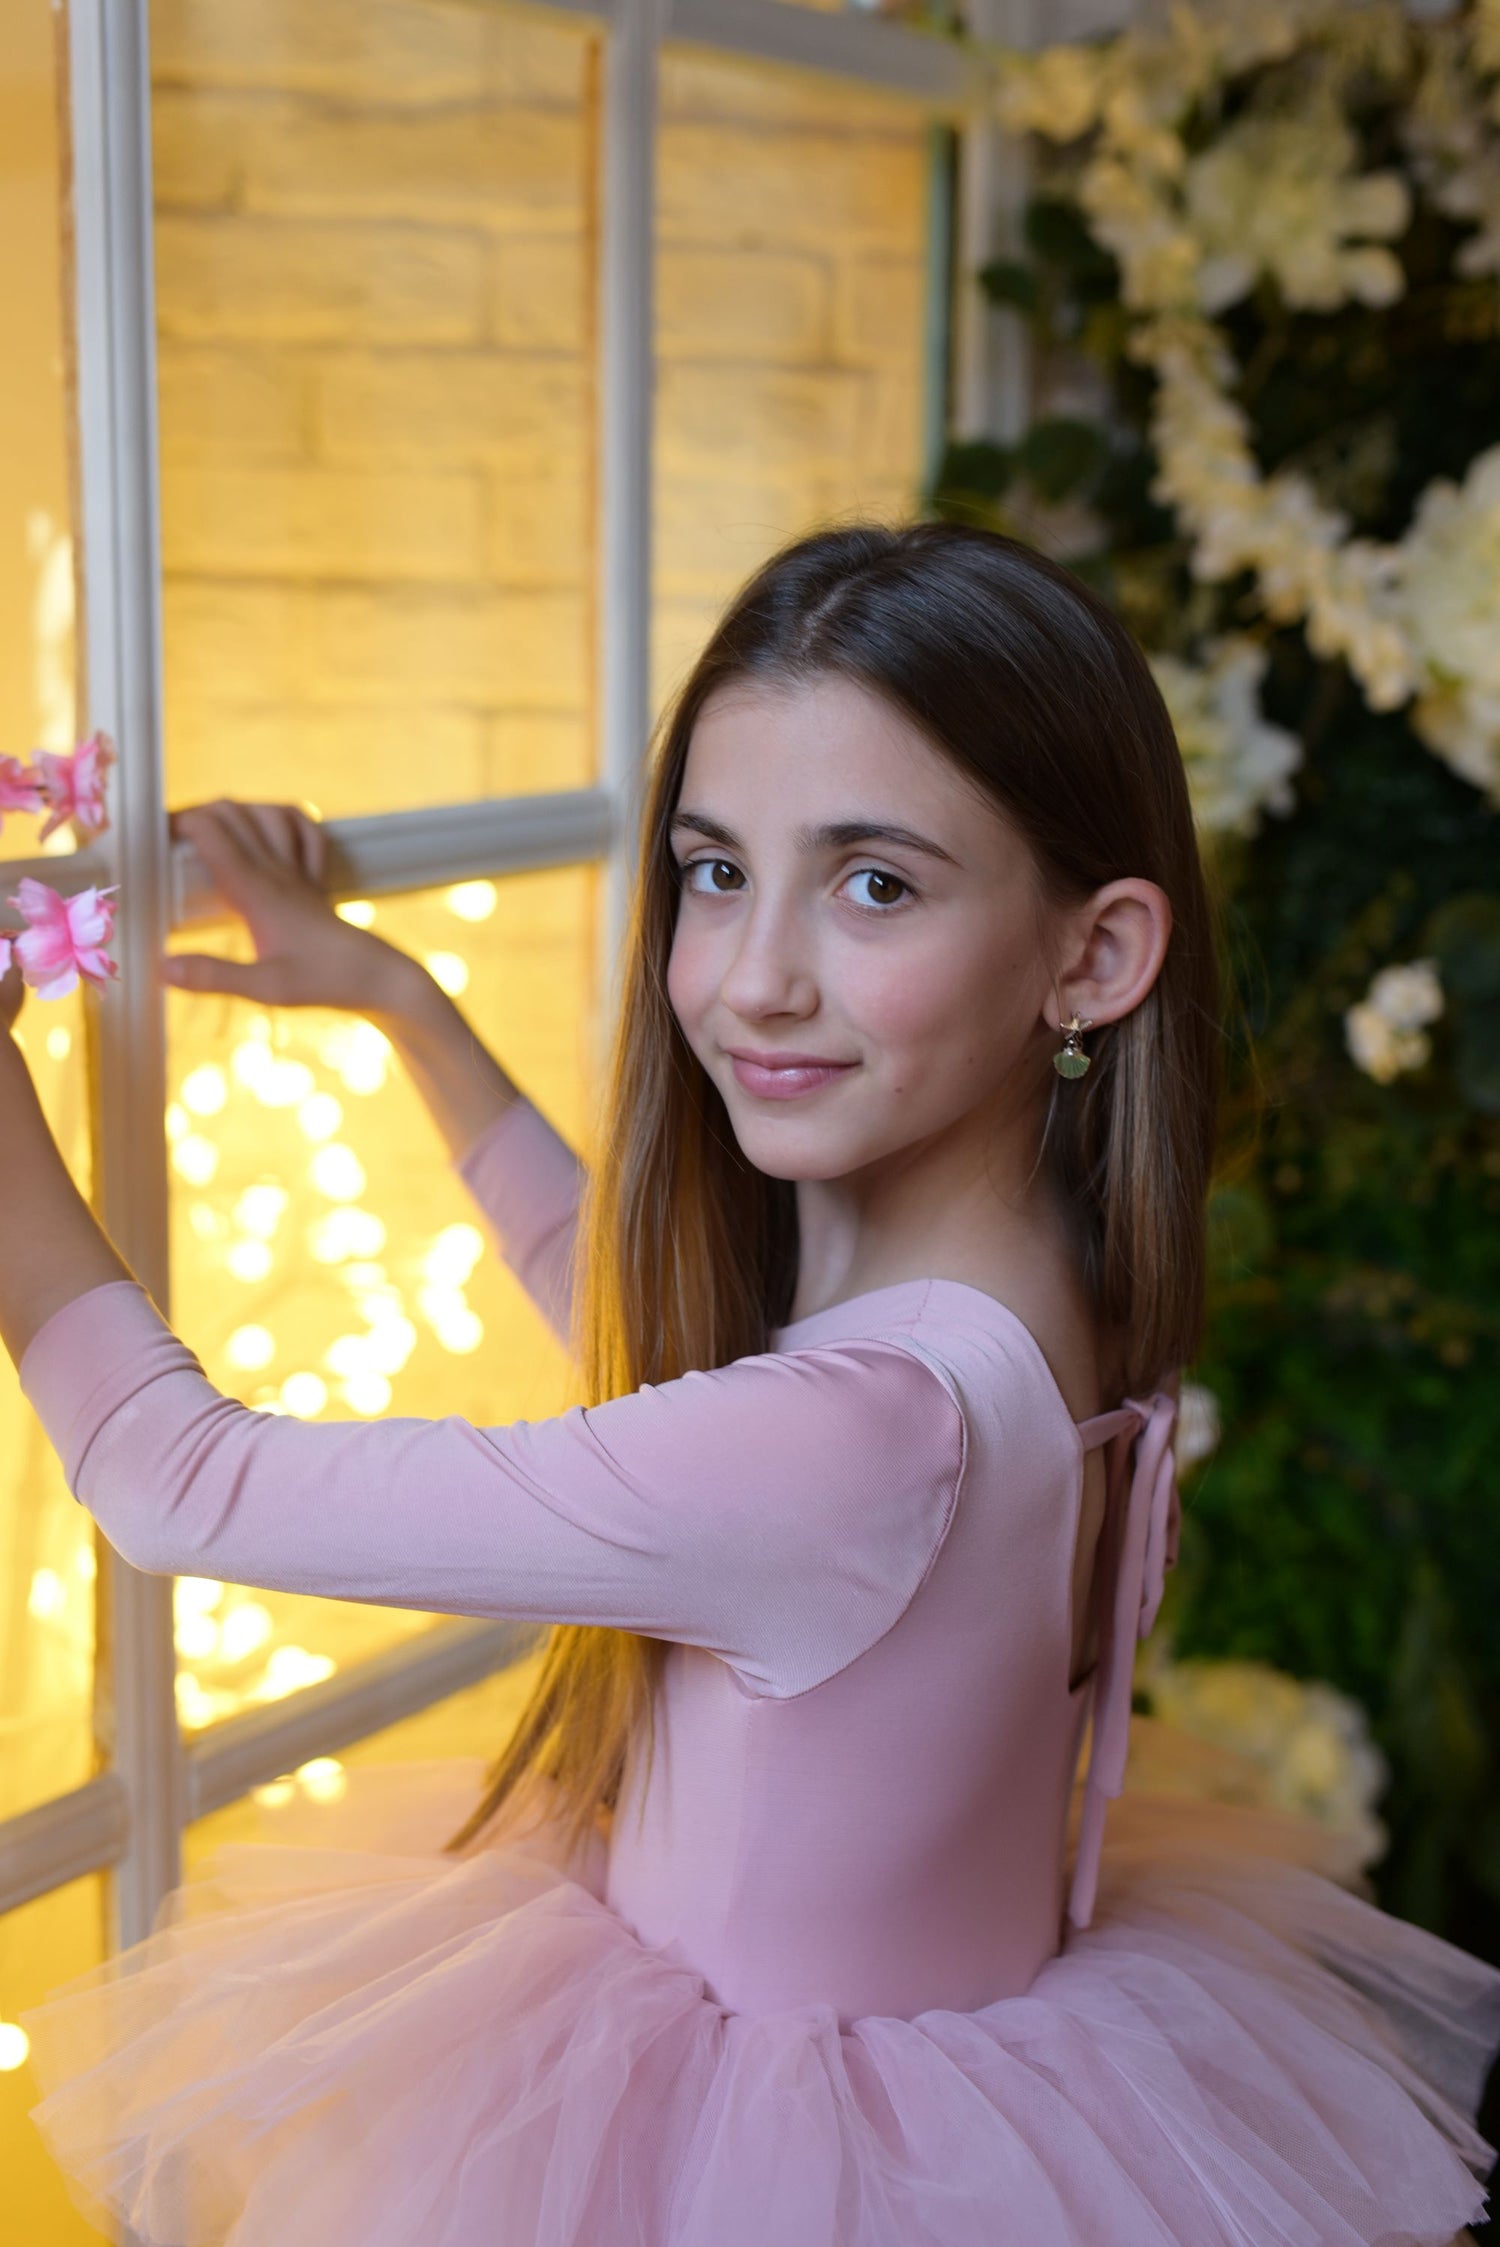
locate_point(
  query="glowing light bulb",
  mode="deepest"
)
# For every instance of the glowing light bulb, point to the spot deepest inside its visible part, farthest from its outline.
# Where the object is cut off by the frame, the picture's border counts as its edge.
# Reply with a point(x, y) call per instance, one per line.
point(250, 1347)
point(249, 1260)
point(357, 911)
point(346, 1354)
point(208, 1223)
point(249, 1062)
point(196, 1637)
point(86, 1561)
point(337, 1171)
point(205, 1090)
point(196, 1595)
point(304, 1394)
point(320, 1115)
point(59, 1042)
point(345, 1232)
point(259, 1209)
point(458, 1329)
point(359, 1052)
point(244, 1631)
point(289, 1669)
point(449, 971)
point(48, 1595)
point(14, 2046)
point(283, 1084)
point(453, 1255)
point(389, 1344)
point(195, 1707)
point(195, 1158)
point(274, 1793)
point(364, 1275)
point(367, 1393)
point(178, 1120)
point(472, 901)
point(324, 1778)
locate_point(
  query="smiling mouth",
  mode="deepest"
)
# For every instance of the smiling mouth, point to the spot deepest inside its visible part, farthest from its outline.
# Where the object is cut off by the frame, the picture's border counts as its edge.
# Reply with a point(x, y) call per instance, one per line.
point(785, 1080)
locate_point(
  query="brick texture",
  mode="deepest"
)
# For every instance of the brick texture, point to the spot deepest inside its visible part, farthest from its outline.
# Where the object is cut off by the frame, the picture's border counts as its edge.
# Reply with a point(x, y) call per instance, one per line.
point(376, 253)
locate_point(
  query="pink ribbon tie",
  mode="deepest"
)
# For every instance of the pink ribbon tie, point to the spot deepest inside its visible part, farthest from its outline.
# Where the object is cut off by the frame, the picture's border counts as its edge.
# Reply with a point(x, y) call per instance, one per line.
point(1147, 1547)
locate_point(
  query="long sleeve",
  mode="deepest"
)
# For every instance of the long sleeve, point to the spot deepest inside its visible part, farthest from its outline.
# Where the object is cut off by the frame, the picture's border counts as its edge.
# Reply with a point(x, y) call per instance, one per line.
point(528, 1185)
point(780, 1511)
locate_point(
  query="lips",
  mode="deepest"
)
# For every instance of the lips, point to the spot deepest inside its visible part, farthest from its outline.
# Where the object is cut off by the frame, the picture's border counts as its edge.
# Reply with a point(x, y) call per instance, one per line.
point(785, 1076)
point(785, 1060)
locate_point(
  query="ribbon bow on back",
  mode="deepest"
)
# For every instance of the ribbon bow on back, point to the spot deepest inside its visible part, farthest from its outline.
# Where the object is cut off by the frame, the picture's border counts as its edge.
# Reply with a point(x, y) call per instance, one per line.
point(1145, 1546)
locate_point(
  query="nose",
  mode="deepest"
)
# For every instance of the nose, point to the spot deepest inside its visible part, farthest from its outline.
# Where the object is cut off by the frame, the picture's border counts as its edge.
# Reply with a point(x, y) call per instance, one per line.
point(770, 968)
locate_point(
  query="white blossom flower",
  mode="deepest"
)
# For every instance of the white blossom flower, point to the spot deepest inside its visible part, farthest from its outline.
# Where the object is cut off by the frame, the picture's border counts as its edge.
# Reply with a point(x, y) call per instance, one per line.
point(1451, 604)
point(1055, 92)
point(1383, 1031)
point(1279, 195)
point(1197, 1425)
point(1451, 147)
point(1238, 765)
point(1310, 1743)
point(1276, 195)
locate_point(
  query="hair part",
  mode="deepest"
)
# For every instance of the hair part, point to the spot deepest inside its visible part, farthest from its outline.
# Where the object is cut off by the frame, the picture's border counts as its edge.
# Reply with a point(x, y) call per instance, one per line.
point(686, 1255)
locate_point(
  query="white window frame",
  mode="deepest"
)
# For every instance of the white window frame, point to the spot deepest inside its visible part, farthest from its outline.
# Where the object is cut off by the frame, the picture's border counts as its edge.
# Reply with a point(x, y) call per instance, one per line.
point(128, 1821)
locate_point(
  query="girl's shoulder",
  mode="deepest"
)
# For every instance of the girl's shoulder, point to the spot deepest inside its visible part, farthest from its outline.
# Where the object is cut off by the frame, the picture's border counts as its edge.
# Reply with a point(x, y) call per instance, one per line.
point(960, 1330)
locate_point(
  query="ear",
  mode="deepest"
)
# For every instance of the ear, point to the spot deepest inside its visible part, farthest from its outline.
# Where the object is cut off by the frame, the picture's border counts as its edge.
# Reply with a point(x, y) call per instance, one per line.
point(1113, 950)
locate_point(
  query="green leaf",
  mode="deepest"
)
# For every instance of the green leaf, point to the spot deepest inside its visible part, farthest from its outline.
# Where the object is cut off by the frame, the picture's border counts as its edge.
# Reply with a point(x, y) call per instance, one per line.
point(1061, 454)
point(1464, 937)
point(978, 467)
point(1241, 1231)
point(1057, 233)
point(1476, 1057)
point(1008, 281)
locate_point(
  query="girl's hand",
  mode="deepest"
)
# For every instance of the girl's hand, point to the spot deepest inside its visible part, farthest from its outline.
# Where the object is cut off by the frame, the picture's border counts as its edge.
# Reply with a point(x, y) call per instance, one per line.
point(267, 861)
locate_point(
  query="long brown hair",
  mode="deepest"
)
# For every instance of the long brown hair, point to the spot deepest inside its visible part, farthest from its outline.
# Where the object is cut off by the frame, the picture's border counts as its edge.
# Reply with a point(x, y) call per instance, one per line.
point(686, 1255)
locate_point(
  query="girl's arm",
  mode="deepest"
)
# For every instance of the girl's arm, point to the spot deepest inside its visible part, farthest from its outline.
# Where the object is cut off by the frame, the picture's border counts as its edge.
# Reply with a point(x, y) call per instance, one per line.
point(52, 1248)
point(523, 1175)
point(267, 862)
point(780, 1511)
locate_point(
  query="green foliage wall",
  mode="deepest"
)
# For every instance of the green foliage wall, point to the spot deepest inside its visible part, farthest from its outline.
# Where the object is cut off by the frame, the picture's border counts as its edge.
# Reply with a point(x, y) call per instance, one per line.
point(1347, 1526)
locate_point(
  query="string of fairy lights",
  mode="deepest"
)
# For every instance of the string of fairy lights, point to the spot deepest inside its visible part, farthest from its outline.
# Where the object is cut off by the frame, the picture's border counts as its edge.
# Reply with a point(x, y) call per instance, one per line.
point(316, 1070)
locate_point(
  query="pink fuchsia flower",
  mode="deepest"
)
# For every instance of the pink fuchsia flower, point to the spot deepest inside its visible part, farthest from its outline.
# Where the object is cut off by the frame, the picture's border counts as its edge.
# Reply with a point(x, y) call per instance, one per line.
point(72, 785)
point(64, 938)
point(20, 788)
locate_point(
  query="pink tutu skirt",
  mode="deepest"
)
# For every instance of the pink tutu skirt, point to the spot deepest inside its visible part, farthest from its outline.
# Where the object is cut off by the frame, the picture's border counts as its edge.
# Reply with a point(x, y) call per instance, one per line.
point(346, 2039)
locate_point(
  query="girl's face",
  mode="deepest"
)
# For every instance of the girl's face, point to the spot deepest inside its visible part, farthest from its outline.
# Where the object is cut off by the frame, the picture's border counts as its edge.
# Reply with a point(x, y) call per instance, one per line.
point(909, 960)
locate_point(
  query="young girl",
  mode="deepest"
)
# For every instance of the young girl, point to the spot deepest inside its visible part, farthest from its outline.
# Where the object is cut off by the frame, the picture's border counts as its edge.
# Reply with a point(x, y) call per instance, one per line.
point(768, 1931)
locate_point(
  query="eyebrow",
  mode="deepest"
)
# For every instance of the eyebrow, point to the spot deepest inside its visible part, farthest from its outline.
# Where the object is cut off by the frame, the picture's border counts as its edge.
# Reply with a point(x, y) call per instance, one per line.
point(836, 834)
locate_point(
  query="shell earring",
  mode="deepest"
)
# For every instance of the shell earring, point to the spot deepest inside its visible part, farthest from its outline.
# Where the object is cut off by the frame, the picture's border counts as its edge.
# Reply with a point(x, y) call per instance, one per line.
point(1070, 1060)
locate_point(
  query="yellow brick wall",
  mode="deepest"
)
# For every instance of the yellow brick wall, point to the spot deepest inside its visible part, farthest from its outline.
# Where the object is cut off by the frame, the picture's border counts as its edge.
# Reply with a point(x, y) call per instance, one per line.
point(375, 249)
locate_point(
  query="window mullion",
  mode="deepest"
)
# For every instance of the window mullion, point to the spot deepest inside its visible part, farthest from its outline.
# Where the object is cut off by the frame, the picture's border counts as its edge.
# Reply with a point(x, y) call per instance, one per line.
point(991, 348)
point(115, 345)
point(388, 853)
point(626, 320)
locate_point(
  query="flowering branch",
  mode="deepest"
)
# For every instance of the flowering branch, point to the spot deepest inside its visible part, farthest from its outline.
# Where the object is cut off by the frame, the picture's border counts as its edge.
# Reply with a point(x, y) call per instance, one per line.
point(64, 938)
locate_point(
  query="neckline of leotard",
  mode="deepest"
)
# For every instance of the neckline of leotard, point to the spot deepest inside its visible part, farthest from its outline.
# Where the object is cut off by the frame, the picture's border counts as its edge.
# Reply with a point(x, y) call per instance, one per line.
point(1097, 1428)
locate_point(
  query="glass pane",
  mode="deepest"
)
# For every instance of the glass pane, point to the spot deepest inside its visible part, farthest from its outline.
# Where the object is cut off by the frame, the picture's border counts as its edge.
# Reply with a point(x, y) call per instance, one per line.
point(326, 1261)
point(373, 282)
point(791, 240)
point(475, 1723)
point(37, 708)
point(47, 1565)
point(41, 1945)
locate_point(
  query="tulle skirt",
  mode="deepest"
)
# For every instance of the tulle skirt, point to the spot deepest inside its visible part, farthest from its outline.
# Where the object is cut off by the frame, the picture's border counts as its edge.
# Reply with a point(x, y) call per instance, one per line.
point(343, 2038)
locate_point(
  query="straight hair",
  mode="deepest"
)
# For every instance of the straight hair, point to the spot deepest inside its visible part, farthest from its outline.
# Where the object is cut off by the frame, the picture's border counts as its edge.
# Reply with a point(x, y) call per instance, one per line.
point(685, 1255)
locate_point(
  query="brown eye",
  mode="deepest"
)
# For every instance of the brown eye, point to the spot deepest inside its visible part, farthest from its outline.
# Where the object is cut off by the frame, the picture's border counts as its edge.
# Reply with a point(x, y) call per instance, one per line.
point(715, 866)
point(880, 897)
